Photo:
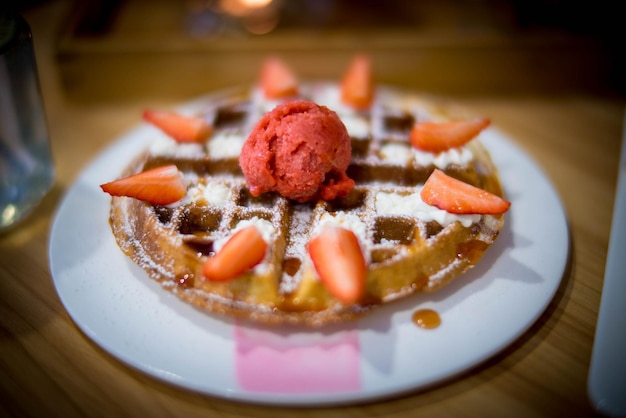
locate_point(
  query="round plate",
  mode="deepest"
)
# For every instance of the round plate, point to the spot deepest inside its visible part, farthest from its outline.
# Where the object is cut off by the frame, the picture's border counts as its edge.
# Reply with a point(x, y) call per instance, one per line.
point(117, 306)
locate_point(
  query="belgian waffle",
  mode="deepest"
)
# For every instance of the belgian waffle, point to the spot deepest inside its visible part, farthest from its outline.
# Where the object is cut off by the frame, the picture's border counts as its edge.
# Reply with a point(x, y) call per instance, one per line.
point(408, 247)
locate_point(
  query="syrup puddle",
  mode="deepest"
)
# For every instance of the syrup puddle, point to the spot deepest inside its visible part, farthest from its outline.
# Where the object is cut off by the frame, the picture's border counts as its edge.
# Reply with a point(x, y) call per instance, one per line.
point(426, 318)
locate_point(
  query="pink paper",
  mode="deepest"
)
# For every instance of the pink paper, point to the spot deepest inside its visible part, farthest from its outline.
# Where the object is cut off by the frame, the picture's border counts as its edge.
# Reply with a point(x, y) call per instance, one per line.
point(270, 362)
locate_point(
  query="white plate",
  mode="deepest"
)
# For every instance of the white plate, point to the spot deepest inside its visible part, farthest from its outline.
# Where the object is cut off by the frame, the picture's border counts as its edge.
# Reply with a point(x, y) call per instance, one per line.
point(116, 305)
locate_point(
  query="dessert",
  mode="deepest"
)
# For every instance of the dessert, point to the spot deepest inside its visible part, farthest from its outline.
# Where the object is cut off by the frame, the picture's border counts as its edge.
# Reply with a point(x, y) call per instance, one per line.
point(406, 202)
point(300, 150)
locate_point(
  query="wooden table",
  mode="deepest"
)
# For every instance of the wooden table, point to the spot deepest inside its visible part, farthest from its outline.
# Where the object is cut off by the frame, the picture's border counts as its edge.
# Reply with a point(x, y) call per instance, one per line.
point(49, 368)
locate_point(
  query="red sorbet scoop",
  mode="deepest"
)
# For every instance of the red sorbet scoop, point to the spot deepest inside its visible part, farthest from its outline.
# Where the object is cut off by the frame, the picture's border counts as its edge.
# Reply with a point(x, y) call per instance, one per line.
point(300, 150)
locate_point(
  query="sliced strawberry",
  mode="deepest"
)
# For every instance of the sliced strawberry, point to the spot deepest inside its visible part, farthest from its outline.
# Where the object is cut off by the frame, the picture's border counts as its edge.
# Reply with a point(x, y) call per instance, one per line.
point(357, 88)
point(159, 186)
point(339, 262)
point(179, 127)
point(441, 136)
point(455, 196)
point(277, 80)
point(244, 250)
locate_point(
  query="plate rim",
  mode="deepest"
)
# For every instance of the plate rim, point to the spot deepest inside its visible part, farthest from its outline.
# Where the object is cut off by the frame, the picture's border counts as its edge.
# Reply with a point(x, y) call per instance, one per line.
point(130, 139)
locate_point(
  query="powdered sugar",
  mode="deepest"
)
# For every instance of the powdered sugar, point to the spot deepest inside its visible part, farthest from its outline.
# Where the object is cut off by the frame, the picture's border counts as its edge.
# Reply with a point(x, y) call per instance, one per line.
point(413, 205)
point(218, 202)
point(211, 193)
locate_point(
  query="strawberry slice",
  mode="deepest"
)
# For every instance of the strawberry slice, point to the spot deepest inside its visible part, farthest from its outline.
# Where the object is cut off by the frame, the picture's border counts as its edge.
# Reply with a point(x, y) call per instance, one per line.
point(179, 127)
point(455, 196)
point(244, 249)
point(339, 262)
point(357, 88)
point(159, 186)
point(441, 136)
point(277, 80)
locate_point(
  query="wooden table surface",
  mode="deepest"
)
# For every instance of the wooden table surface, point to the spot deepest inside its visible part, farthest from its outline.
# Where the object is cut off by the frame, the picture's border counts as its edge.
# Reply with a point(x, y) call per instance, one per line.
point(50, 368)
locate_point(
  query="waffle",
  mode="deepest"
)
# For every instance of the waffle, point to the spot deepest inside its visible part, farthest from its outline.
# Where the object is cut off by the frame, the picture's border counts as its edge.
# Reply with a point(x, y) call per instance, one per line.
point(408, 247)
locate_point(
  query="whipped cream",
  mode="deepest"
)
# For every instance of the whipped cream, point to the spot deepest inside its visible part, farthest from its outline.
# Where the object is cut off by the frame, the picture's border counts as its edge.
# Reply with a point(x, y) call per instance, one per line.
point(460, 156)
point(399, 153)
point(225, 145)
point(265, 227)
point(356, 126)
point(164, 145)
point(330, 96)
point(212, 193)
point(413, 205)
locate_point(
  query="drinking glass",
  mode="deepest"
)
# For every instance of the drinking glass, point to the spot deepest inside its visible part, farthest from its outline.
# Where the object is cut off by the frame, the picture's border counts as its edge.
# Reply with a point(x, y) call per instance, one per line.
point(26, 166)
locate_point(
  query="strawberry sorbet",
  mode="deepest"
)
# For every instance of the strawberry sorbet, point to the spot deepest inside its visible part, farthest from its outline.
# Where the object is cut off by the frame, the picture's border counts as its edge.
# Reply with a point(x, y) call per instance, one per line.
point(300, 150)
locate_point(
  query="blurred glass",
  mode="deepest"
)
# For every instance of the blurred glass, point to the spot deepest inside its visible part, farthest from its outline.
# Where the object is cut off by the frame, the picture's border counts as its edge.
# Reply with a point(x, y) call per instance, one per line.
point(26, 166)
